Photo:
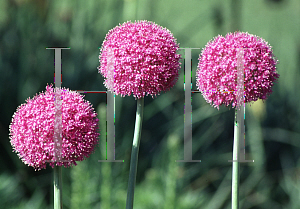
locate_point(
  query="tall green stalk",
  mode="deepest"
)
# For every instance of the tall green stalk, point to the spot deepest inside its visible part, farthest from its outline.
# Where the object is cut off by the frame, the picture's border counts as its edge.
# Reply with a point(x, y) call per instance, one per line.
point(57, 187)
point(134, 153)
point(235, 158)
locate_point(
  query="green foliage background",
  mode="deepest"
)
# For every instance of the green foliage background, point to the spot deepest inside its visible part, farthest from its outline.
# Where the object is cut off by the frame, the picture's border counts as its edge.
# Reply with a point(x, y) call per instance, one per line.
point(27, 27)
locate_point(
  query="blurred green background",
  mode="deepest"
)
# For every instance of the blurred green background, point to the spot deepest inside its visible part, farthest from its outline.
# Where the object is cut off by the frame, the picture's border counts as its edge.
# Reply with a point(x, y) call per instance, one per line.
point(27, 27)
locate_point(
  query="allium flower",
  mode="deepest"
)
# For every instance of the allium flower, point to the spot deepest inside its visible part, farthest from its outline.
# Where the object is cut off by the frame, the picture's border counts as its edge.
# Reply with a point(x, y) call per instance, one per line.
point(139, 58)
point(32, 129)
point(217, 69)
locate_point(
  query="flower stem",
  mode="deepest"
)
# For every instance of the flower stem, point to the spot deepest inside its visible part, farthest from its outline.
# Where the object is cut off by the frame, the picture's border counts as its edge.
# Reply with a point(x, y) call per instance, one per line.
point(235, 158)
point(134, 153)
point(57, 187)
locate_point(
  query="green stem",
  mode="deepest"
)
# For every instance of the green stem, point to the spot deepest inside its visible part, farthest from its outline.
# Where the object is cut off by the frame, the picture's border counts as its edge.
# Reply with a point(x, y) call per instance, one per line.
point(235, 157)
point(57, 187)
point(134, 153)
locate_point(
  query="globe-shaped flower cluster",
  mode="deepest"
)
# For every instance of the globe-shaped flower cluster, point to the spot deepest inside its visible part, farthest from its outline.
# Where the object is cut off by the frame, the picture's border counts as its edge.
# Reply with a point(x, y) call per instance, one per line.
point(217, 69)
point(32, 129)
point(139, 58)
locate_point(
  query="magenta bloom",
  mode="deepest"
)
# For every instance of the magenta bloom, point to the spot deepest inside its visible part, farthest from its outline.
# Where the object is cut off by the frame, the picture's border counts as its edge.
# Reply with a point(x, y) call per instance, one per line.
point(217, 69)
point(139, 58)
point(32, 129)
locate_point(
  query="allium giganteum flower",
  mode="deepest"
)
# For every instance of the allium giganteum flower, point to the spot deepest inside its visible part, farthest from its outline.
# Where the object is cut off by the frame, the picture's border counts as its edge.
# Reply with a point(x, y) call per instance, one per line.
point(143, 59)
point(32, 129)
point(217, 69)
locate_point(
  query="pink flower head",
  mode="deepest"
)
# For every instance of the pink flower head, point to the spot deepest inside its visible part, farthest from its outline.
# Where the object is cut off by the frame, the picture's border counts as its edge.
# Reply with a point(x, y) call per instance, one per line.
point(217, 69)
point(32, 129)
point(139, 58)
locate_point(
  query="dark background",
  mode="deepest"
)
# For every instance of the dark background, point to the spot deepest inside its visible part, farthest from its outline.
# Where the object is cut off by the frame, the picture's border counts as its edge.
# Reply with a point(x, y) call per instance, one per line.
point(27, 27)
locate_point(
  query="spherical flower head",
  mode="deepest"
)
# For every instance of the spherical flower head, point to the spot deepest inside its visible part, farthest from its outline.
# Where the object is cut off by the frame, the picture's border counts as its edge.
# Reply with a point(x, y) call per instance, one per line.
point(139, 58)
point(217, 69)
point(32, 129)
